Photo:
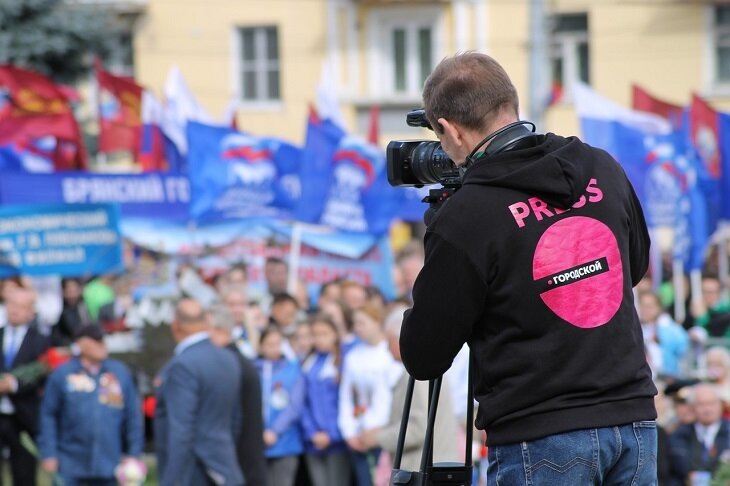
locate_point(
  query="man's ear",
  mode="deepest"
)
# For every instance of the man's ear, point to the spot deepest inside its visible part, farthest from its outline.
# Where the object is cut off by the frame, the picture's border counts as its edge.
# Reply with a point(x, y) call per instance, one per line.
point(453, 131)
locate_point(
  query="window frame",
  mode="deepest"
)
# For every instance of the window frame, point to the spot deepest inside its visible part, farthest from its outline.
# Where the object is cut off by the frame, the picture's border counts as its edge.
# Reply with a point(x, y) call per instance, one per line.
point(261, 65)
point(383, 23)
point(565, 45)
point(717, 31)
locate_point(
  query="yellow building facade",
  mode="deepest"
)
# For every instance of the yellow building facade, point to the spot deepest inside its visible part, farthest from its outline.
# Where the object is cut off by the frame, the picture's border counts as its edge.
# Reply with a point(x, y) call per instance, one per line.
point(271, 54)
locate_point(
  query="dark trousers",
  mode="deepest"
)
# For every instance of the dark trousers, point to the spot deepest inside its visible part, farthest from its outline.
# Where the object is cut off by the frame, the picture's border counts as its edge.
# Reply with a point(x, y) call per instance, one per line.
point(73, 481)
point(23, 464)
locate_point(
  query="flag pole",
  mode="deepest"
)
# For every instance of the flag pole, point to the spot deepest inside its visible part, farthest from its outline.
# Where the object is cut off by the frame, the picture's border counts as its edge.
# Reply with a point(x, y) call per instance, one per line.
point(723, 266)
point(678, 281)
point(695, 278)
point(655, 260)
point(295, 253)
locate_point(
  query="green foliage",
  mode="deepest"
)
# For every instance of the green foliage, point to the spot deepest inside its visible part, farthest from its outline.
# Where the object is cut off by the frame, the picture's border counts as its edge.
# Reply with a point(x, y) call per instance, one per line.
point(56, 37)
point(722, 475)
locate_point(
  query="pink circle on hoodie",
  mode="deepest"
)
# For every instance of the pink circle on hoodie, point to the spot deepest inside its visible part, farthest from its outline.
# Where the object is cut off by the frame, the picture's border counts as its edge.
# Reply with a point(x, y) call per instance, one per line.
point(579, 263)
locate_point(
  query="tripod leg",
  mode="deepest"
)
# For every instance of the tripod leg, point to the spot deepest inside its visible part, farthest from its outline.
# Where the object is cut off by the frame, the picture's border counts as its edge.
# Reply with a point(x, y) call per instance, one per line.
point(404, 423)
point(426, 456)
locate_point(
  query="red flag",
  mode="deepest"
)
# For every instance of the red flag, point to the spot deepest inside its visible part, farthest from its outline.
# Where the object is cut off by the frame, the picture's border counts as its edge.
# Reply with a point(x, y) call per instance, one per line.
point(643, 101)
point(31, 107)
point(374, 131)
point(120, 102)
point(703, 125)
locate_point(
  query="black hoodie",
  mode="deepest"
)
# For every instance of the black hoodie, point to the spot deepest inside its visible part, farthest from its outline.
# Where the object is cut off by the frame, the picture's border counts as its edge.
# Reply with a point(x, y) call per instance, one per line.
point(532, 263)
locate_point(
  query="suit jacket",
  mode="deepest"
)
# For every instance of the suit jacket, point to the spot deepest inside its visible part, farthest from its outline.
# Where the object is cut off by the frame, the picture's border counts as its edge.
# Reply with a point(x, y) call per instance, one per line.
point(687, 454)
point(194, 420)
point(250, 442)
point(27, 398)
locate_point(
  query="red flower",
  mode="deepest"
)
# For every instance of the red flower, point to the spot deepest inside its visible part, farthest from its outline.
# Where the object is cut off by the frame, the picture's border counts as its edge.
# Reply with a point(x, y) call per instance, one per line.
point(55, 357)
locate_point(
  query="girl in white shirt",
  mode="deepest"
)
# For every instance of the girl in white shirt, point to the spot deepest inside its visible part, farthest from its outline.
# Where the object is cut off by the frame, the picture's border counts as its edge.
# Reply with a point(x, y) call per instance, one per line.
point(366, 388)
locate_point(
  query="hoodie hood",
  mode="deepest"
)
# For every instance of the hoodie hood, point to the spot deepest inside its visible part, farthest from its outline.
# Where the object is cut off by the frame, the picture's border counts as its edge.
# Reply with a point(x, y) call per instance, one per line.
point(551, 170)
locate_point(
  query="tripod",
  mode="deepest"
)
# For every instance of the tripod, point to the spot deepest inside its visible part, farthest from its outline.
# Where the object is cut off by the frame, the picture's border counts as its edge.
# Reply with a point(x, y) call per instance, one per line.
point(440, 473)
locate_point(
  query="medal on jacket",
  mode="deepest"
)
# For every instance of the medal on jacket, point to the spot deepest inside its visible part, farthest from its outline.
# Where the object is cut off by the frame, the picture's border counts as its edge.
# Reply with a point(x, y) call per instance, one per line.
point(110, 391)
point(279, 397)
point(80, 382)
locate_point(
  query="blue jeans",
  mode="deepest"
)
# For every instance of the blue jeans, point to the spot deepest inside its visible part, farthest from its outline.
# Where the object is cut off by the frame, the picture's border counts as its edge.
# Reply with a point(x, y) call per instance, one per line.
point(621, 455)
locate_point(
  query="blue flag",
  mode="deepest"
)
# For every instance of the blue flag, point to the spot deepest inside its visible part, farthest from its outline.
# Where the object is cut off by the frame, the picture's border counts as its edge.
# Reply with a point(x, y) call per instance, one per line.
point(724, 183)
point(323, 138)
point(666, 176)
point(344, 182)
point(34, 156)
point(411, 206)
point(235, 175)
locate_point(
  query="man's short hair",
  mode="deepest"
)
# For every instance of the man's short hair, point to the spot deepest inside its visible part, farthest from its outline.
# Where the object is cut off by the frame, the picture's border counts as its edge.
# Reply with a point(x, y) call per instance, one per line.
point(221, 318)
point(189, 312)
point(275, 261)
point(281, 298)
point(469, 89)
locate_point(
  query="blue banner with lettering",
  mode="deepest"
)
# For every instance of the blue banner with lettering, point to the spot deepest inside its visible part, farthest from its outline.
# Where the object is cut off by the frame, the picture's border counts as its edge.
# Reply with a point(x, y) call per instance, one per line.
point(149, 195)
point(236, 175)
point(66, 240)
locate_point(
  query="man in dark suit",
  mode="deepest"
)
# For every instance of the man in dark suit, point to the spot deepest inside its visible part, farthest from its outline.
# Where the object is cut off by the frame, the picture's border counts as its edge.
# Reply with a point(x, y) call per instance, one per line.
point(19, 400)
point(196, 402)
point(250, 439)
point(696, 449)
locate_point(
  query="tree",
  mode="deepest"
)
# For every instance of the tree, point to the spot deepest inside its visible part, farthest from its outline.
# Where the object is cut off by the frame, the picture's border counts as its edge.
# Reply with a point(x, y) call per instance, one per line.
point(55, 37)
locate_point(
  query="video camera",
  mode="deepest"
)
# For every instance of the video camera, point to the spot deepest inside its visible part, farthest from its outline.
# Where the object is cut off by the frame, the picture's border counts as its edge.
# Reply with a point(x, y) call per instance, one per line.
point(420, 162)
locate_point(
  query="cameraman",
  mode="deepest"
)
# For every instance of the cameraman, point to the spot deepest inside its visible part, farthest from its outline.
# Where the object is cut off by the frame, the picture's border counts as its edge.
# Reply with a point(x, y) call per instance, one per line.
point(532, 263)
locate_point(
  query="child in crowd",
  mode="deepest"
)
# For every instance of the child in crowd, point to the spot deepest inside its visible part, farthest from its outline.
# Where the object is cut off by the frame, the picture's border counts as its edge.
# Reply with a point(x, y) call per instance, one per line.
point(283, 391)
point(301, 341)
point(245, 333)
point(368, 375)
point(326, 451)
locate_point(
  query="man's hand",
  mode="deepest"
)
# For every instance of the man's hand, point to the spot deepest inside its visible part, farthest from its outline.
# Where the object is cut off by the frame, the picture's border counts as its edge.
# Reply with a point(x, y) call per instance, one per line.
point(369, 438)
point(355, 444)
point(8, 384)
point(50, 465)
point(270, 438)
point(321, 440)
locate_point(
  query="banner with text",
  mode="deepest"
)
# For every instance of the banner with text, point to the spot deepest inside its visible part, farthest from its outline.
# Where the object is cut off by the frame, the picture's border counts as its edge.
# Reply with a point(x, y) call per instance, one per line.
point(150, 195)
point(70, 241)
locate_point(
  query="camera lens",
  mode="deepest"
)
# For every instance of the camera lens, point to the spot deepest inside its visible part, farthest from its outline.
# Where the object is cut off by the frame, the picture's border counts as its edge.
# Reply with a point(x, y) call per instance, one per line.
point(430, 164)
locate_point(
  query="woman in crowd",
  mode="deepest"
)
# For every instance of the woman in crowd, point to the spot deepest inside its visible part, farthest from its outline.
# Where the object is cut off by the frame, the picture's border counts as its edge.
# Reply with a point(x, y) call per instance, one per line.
point(326, 451)
point(662, 334)
point(283, 392)
point(301, 340)
point(366, 389)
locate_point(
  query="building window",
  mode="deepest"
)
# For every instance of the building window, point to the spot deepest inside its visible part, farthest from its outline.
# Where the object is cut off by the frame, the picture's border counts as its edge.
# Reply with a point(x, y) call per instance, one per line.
point(722, 44)
point(260, 73)
point(406, 49)
point(569, 55)
point(411, 58)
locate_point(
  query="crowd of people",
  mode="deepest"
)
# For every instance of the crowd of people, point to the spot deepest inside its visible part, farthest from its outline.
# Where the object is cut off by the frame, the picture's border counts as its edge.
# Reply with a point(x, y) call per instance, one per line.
point(262, 387)
point(690, 362)
point(269, 388)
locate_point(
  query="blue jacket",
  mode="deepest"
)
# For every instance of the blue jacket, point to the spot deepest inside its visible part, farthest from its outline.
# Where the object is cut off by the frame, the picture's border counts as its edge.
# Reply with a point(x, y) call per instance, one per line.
point(283, 391)
point(322, 404)
point(674, 343)
point(88, 421)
